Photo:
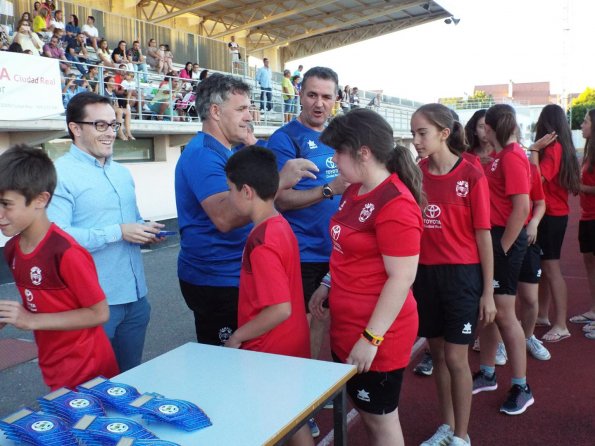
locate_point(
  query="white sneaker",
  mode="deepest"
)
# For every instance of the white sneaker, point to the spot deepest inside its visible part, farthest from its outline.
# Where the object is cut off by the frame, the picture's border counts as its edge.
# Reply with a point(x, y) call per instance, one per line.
point(457, 441)
point(537, 350)
point(501, 356)
point(442, 437)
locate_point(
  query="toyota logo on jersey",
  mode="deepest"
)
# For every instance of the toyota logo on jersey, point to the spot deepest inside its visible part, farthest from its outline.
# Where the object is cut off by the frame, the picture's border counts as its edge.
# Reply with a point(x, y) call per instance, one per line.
point(432, 211)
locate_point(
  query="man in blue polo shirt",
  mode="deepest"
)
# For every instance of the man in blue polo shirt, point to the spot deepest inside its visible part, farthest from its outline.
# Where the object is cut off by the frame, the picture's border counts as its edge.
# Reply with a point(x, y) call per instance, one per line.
point(212, 233)
point(310, 204)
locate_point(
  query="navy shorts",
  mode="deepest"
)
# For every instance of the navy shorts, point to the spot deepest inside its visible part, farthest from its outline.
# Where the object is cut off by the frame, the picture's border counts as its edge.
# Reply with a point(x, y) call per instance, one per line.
point(586, 236)
point(550, 236)
point(507, 266)
point(448, 301)
point(375, 392)
point(531, 267)
point(312, 275)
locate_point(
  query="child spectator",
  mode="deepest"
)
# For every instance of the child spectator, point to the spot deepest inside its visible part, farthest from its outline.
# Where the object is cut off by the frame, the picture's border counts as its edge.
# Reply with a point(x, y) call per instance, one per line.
point(271, 311)
point(72, 87)
point(63, 303)
point(92, 77)
point(121, 112)
point(166, 57)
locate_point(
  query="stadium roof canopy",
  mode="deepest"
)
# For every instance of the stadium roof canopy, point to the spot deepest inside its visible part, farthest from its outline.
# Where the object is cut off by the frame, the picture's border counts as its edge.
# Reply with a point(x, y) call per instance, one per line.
point(297, 28)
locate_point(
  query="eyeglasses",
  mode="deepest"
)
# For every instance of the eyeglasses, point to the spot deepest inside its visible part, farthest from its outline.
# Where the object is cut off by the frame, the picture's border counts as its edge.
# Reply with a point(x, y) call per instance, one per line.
point(102, 126)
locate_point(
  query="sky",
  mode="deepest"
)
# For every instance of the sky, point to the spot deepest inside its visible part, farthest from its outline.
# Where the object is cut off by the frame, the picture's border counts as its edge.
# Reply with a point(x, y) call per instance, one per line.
point(495, 42)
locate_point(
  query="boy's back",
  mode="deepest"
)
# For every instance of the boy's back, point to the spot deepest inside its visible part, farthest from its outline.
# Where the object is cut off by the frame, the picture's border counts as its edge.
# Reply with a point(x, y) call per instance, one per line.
point(271, 275)
point(59, 276)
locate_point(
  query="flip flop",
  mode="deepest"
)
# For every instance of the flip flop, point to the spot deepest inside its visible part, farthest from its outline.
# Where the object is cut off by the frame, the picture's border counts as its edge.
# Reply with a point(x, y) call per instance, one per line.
point(590, 335)
point(554, 336)
point(543, 323)
point(589, 327)
point(582, 319)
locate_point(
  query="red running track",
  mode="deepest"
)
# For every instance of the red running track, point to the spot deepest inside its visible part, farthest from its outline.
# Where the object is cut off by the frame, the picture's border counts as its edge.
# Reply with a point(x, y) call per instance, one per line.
point(563, 387)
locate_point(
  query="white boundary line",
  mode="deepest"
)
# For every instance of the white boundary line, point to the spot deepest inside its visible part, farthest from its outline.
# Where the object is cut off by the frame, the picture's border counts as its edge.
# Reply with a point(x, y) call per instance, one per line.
point(353, 415)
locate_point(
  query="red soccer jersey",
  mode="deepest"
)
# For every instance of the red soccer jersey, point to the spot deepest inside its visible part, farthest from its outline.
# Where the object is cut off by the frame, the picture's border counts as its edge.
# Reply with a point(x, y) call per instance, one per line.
point(59, 275)
point(458, 203)
point(556, 196)
point(536, 193)
point(509, 174)
point(385, 221)
point(587, 200)
point(472, 158)
point(271, 275)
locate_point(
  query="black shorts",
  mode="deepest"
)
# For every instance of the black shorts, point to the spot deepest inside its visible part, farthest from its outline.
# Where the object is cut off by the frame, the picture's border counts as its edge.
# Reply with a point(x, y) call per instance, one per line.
point(550, 236)
point(531, 267)
point(312, 275)
point(586, 236)
point(375, 392)
point(215, 311)
point(507, 266)
point(448, 301)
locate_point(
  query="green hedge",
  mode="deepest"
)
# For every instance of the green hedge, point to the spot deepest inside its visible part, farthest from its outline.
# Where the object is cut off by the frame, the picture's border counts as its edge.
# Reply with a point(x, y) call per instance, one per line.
point(577, 114)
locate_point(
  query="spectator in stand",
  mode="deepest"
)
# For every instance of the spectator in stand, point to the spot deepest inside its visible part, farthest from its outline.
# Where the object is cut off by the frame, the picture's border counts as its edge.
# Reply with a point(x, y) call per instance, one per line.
point(120, 92)
point(153, 58)
point(40, 26)
point(72, 87)
point(203, 75)
point(58, 21)
point(53, 50)
point(36, 7)
point(264, 77)
point(15, 48)
point(195, 72)
point(26, 16)
point(298, 72)
point(346, 99)
point(288, 96)
point(72, 29)
point(186, 72)
point(167, 58)
point(92, 77)
point(160, 104)
point(234, 50)
point(49, 7)
point(121, 112)
point(27, 38)
point(90, 32)
point(104, 55)
point(134, 97)
point(77, 53)
point(119, 55)
point(354, 98)
point(137, 59)
point(254, 112)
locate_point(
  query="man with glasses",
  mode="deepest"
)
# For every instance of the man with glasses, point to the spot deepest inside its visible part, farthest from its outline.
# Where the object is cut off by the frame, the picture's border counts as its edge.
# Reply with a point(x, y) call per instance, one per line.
point(95, 202)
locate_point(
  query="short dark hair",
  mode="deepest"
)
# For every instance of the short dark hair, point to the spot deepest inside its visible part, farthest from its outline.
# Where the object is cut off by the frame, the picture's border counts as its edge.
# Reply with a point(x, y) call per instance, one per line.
point(92, 18)
point(28, 171)
point(76, 108)
point(322, 73)
point(256, 167)
point(216, 89)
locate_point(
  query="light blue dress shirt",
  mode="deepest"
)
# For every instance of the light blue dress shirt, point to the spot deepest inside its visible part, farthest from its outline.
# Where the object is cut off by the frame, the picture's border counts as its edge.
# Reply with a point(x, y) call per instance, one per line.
point(90, 203)
point(264, 76)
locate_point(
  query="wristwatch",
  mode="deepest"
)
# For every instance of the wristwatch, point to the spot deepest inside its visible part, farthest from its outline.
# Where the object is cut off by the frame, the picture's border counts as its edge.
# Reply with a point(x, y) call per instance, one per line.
point(327, 192)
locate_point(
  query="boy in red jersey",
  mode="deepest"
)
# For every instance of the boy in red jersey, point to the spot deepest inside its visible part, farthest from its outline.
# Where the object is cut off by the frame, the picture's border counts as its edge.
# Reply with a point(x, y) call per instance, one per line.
point(271, 309)
point(63, 303)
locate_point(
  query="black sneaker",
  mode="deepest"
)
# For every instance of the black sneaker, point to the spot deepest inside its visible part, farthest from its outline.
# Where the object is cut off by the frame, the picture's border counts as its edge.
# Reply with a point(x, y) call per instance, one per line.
point(519, 398)
point(483, 382)
point(425, 366)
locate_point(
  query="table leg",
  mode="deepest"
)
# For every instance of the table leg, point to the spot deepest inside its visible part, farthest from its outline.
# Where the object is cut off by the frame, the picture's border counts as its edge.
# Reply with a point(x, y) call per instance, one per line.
point(340, 418)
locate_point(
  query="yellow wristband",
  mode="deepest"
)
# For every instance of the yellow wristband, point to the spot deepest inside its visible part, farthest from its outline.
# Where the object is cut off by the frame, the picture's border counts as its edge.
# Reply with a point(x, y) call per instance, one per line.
point(372, 338)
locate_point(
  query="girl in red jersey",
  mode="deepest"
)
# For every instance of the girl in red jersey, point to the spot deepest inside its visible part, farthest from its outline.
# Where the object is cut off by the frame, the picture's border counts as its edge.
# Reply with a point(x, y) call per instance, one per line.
point(477, 140)
point(508, 177)
point(586, 226)
point(554, 155)
point(376, 234)
point(454, 278)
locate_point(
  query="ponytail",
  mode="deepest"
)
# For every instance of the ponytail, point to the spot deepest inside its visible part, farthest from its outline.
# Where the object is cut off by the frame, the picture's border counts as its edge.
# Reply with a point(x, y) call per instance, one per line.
point(502, 119)
point(457, 142)
point(401, 162)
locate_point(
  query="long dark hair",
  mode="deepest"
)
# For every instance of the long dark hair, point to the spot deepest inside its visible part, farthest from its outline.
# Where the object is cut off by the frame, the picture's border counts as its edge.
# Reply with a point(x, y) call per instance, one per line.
point(363, 127)
point(502, 119)
point(471, 129)
point(553, 119)
point(589, 155)
point(444, 118)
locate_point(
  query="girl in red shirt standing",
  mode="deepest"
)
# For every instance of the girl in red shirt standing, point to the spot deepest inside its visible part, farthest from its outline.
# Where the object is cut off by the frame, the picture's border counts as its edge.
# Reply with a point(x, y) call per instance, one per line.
point(554, 155)
point(454, 278)
point(509, 180)
point(476, 137)
point(376, 235)
point(586, 226)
